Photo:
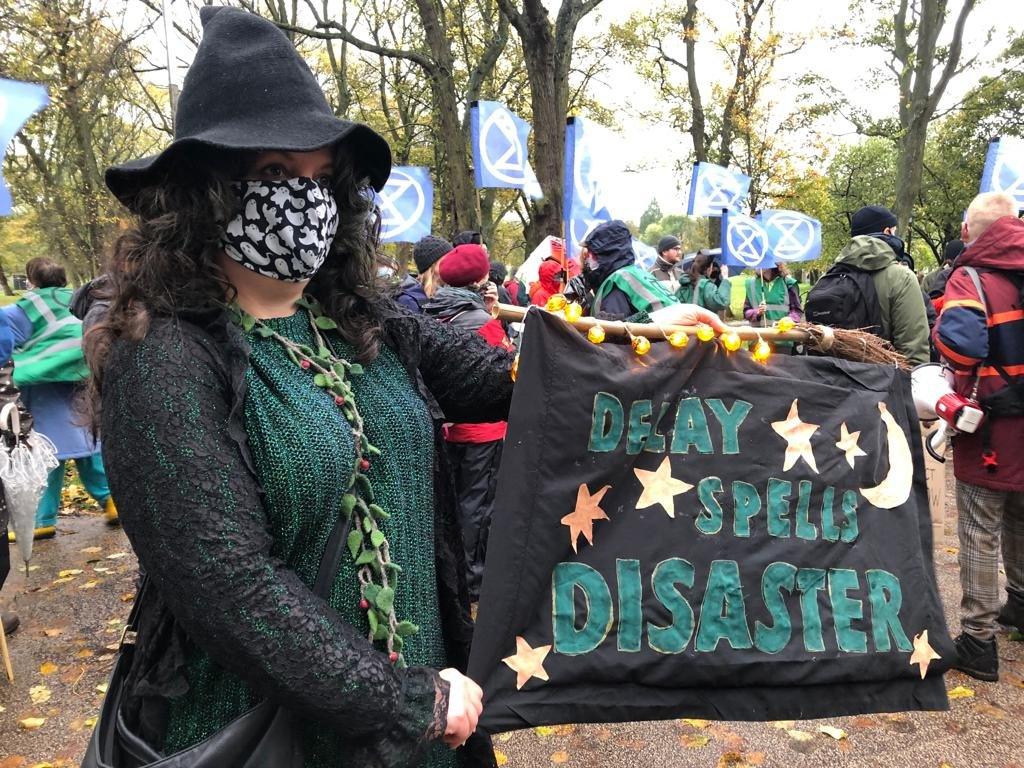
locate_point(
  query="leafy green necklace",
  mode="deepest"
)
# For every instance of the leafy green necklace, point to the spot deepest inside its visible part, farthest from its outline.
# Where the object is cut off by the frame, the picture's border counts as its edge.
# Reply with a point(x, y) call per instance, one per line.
point(378, 576)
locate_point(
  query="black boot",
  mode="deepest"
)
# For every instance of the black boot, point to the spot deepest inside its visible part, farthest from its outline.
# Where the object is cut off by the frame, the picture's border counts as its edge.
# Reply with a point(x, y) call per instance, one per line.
point(10, 622)
point(1011, 614)
point(977, 658)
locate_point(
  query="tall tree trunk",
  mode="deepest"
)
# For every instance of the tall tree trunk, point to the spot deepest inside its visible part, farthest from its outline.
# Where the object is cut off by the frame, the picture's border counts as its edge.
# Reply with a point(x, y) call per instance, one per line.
point(547, 51)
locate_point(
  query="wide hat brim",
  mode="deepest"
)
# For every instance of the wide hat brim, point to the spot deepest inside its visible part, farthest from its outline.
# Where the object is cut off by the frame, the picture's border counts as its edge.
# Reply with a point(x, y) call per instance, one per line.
point(248, 89)
point(368, 150)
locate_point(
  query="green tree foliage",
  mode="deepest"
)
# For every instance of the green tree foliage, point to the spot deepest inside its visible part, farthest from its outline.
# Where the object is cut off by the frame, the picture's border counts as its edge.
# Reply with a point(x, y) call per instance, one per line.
point(95, 119)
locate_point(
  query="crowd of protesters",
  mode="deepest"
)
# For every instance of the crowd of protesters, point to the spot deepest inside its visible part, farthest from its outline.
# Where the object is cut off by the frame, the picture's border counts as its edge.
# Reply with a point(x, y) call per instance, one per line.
point(249, 383)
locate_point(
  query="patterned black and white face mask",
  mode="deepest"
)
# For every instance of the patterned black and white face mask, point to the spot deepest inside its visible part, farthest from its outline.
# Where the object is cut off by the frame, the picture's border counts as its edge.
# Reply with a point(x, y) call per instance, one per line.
point(285, 228)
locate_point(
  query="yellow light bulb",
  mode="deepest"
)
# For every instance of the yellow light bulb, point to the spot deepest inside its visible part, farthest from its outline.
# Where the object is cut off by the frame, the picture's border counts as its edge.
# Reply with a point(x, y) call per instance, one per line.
point(556, 303)
point(596, 334)
point(785, 324)
point(514, 372)
point(705, 332)
point(678, 339)
point(641, 345)
point(731, 341)
point(573, 312)
point(762, 351)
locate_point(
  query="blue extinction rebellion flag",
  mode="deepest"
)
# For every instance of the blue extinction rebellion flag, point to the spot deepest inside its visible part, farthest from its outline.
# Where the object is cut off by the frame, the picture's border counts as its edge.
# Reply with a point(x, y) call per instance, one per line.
point(745, 243)
point(406, 205)
point(1004, 168)
point(18, 101)
point(583, 198)
point(792, 236)
point(694, 534)
point(714, 188)
point(500, 139)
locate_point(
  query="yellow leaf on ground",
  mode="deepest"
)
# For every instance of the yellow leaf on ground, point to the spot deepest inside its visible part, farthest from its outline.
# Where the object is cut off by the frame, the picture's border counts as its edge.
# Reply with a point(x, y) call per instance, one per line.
point(127, 597)
point(544, 730)
point(952, 550)
point(83, 653)
point(695, 722)
point(799, 735)
point(500, 757)
point(91, 550)
point(90, 722)
point(560, 757)
point(101, 570)
point(48, 668)
point(117, 556)
point(835, 733)
point(101, 688)
point(694, 740)
point(88, 585)
point(69, 572)
point(64, 580)
point(783, 725)
point(39, 694)
point(2, 708)
point(42, 765)
point(960, 692)
point(31, 723)
point(52, 632)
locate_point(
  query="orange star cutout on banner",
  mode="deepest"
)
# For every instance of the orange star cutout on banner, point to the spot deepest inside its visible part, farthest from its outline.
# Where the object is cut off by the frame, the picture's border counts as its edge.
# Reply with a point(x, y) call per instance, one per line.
point(528, 662)
point(581, 519)
point(923, 653)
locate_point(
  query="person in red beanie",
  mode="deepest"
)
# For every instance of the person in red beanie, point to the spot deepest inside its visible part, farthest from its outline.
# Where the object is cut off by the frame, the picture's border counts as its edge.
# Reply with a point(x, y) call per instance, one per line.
point(474, 449)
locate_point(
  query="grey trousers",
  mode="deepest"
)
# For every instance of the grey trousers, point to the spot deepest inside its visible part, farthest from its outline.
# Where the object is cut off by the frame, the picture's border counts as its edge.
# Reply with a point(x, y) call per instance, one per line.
point(987, 520)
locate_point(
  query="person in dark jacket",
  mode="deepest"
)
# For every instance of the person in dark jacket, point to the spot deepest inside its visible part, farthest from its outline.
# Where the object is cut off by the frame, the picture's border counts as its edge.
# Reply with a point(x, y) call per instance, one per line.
point(498, 275)
point(934, 283)
point(622, 289)
point(666, 266)
point(474, 448)
point(413, 292)
point(981, 335)
point(253, 389)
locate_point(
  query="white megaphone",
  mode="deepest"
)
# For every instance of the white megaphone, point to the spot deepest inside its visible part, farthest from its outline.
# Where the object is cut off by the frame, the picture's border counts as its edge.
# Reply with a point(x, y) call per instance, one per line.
point(934, 399)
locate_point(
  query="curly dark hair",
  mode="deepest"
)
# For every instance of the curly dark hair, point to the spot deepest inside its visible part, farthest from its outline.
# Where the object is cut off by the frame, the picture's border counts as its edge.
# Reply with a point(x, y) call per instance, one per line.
point(166, 264)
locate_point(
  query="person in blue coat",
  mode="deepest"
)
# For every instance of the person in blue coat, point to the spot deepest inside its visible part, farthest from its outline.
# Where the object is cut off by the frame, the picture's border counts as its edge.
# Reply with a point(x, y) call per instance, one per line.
point(49, 367)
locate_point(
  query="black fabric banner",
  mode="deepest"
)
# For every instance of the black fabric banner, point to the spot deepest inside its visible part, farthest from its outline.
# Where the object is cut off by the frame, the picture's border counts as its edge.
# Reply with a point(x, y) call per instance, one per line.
point(694, 534)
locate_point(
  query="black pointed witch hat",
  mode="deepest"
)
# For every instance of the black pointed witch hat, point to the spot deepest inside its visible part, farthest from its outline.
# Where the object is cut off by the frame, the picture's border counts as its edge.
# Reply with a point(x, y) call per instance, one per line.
point(248, 89)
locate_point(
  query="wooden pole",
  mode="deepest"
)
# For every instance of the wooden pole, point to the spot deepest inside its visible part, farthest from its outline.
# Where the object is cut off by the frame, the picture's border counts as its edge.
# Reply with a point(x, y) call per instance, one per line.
point(6, 654)
point(655, 332)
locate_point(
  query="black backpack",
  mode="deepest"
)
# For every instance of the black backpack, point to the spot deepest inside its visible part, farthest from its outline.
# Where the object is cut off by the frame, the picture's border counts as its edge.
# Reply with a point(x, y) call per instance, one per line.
point(845, 297)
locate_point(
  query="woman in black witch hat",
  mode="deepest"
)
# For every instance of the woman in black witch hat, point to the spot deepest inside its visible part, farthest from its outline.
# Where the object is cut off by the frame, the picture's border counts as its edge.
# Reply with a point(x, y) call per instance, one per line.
point(238, 427)
point(256, 388)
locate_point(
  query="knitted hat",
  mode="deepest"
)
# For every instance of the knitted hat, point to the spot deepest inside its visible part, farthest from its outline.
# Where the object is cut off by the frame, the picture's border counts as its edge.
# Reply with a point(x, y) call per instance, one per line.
point(498, 272)
point(667, 243)
point(464, 265)
point(871, 219)
point(428, 250)
point(466, 237)
point(248, 89)
point(953, 249)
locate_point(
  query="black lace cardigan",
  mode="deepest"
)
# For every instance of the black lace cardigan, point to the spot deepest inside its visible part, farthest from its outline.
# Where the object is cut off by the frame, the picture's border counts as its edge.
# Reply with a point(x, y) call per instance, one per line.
point(173, 437)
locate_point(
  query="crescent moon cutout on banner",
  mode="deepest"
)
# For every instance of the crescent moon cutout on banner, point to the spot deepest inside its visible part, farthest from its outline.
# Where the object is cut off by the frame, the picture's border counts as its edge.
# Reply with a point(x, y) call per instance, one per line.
point(895, 488)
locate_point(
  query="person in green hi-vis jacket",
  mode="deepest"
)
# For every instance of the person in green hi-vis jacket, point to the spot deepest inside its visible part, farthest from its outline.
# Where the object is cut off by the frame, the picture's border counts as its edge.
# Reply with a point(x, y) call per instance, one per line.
point(705, 281)
point(771, 294)
point(49, 367)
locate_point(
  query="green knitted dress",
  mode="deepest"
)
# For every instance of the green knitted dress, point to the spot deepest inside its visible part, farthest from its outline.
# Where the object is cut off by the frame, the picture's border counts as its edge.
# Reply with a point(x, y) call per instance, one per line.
point(303, 450)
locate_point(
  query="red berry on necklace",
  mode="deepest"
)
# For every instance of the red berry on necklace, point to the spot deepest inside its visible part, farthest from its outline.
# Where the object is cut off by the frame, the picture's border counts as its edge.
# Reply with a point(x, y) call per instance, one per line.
point(393, 656)
point(364, 465)
point(364, 604)
point(304, 364)
point(339, 400)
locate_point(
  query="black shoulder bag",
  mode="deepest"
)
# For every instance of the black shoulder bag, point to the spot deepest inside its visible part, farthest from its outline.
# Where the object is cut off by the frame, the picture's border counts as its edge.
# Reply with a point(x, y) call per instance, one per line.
point(262, 736)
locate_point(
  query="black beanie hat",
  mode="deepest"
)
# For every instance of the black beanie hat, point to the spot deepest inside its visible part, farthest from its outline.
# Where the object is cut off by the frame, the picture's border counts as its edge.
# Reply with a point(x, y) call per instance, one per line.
point(428, 250)
point(498, 272)
point(667, 242)
point(953, 249)
point(871, 219)
point(249, 89)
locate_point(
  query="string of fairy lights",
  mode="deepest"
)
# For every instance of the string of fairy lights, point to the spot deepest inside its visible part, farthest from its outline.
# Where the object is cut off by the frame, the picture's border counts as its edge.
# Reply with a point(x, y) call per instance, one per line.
point(761, 351)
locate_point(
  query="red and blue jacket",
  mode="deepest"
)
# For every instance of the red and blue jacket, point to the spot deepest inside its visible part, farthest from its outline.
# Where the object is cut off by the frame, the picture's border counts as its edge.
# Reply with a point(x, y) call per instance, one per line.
point(975, 338)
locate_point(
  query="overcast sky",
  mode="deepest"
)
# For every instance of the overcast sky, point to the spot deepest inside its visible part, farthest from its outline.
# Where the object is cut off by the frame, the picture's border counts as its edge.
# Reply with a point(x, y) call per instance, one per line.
point(644, 154)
